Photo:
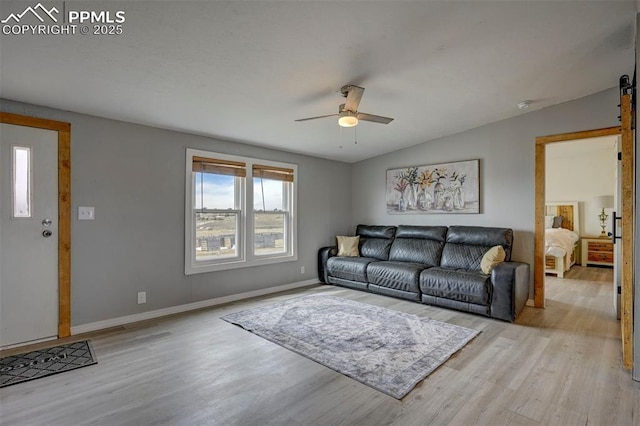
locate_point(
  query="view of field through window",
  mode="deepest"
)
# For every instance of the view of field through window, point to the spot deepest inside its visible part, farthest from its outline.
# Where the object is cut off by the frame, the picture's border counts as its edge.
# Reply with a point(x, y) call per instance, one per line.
point(269, 217)
point(217, 217)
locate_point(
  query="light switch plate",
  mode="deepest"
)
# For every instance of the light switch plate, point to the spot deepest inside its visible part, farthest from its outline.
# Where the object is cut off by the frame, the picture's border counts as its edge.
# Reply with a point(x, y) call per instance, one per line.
point(86, 213)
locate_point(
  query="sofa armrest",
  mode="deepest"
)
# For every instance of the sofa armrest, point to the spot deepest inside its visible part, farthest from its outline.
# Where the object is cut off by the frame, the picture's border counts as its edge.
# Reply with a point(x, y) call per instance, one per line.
point(510, 281)
point(323, 255)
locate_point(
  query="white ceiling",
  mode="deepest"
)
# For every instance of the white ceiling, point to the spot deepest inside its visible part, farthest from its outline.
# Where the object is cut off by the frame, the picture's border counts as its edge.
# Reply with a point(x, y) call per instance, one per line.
point(245, 70)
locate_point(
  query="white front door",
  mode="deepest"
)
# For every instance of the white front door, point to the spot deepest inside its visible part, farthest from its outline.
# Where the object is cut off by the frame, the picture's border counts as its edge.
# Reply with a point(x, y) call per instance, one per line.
point(28, 234)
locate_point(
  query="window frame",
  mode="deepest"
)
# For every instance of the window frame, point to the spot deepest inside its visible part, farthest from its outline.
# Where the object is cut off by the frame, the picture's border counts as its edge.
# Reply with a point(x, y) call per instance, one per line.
point(237, 210)
point(287, 196)
point(246, 219)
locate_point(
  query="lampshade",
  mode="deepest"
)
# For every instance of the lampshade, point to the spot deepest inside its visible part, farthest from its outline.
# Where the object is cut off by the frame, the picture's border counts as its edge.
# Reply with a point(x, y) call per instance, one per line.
point(347, 119)
point(603, 201)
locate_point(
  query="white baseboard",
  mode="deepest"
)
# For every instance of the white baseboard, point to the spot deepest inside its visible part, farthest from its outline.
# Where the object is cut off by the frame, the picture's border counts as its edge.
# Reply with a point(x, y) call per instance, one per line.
point(31, 342)
point(530, 302)
point(143, 316)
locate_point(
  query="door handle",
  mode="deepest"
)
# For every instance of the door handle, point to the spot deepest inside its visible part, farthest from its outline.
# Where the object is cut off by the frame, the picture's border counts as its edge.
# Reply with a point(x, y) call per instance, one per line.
point(47, 233)
point(612, 234)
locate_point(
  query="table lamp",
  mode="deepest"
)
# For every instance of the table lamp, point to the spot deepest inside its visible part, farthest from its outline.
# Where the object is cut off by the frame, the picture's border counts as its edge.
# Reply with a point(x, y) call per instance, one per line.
point(604, 202)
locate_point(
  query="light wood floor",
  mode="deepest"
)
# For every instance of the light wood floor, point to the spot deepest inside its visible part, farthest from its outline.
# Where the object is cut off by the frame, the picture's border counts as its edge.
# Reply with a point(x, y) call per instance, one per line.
point(560, 365)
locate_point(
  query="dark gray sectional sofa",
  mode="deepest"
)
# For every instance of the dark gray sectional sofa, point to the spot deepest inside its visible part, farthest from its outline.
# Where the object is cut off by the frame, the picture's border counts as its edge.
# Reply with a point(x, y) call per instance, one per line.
point(436, 265)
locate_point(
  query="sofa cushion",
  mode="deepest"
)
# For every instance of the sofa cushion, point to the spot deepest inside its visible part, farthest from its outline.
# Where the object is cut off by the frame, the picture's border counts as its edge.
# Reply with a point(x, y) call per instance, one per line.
point(435, 233)
point(373, 231)
point(462, 256)
point(402, 276)
point(349, 268)
point(466, 245)
point(375, 241)
point(462, 285)
point(482, 236)
point(418, 244)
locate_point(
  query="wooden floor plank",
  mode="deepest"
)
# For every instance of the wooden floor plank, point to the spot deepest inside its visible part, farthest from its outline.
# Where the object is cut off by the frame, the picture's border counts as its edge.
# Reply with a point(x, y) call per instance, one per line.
point(561, 365)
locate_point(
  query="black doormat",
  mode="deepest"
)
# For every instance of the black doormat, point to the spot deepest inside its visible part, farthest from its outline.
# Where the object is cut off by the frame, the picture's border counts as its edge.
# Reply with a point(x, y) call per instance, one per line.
point(45, 362)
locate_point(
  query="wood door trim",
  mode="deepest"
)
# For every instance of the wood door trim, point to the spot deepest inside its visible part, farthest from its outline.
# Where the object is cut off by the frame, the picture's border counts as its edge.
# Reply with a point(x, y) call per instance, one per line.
point(596, 133)
point(541, 142)
point(538, 262)
point(64, 210)
point(626, 299)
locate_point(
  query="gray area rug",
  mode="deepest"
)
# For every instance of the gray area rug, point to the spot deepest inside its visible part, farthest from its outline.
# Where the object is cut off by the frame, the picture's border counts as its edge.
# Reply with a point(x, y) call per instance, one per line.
point(388, 350)
point(45, 362)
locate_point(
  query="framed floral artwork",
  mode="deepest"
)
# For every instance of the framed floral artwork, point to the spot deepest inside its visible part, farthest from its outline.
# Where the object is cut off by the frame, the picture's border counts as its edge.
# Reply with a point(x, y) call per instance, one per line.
point(437, 188)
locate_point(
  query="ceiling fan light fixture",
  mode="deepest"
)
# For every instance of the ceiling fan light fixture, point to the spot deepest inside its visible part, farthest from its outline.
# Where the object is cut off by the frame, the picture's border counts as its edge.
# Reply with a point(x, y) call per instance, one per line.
point(348, 115)
point(347, 119)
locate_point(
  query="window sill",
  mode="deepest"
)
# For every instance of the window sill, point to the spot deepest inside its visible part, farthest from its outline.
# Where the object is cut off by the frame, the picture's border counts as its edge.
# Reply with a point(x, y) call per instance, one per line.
point(238, 264)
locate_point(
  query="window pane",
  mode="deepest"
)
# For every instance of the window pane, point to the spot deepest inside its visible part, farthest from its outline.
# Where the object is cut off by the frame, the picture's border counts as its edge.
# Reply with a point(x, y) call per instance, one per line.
point(216, 235)
point(213, 191)
point(269, 231)
point(268, 195)
point(21, 181)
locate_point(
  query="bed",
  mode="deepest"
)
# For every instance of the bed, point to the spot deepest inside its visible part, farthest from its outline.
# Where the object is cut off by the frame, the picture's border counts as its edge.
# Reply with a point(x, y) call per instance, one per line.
point(561, 237)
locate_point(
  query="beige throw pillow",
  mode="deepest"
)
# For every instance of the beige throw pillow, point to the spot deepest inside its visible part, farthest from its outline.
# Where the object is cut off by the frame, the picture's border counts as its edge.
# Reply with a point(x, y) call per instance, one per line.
point(348, 246)
point(491, 258)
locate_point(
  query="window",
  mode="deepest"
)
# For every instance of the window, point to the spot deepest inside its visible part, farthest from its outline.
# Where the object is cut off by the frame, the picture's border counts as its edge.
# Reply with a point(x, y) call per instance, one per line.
point(21, 188)
point(218, 207)
point(271, 214)
point(222, 231)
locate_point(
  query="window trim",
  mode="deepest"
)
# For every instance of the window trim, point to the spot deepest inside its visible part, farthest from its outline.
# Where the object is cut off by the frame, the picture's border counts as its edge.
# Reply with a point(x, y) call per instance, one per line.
point(247, 257)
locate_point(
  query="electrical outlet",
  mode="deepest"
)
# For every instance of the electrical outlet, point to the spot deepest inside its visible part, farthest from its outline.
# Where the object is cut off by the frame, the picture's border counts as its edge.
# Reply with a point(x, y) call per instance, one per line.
point(142, 297)
point(303, 270)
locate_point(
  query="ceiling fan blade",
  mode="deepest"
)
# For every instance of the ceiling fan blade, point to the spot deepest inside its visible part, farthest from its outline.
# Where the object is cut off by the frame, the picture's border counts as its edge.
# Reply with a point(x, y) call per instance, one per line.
point(374, 118)
point(354, 95)
point(314, 118)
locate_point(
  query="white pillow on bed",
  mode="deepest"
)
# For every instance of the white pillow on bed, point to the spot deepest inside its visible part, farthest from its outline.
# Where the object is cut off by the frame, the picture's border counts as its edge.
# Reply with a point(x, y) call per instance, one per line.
point(548, 222)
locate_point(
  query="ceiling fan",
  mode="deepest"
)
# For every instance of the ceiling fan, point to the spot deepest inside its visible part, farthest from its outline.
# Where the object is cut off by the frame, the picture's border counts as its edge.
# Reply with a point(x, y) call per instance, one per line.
point(348, 112)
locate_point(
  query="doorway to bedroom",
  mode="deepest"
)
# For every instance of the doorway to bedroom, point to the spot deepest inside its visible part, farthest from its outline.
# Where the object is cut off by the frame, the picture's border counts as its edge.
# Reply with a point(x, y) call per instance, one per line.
point(624, 221)
point(581, 177)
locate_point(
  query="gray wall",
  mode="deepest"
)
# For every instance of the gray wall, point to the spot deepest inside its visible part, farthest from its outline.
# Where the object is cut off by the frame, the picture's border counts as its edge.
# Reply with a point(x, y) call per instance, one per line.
point(134, 176)
point(506, 150)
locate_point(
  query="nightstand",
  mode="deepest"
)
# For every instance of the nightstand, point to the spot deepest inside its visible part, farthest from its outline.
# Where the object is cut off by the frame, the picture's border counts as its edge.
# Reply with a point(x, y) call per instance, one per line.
point(597, 251)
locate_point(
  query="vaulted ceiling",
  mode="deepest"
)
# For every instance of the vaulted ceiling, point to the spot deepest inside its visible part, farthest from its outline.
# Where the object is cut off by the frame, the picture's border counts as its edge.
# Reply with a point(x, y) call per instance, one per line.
point(245, 70)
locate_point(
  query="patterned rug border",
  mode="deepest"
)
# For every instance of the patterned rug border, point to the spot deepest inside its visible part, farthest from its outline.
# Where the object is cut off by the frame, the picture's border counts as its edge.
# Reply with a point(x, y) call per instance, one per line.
point(94, 360)
point(399, 394)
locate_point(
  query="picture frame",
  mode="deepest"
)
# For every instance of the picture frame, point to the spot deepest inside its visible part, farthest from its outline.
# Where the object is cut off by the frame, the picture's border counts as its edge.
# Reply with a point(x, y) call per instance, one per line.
point(445, 188)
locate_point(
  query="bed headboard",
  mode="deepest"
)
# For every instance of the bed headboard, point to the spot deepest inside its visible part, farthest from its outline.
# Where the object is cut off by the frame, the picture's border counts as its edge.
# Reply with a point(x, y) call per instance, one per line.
point(568, 210)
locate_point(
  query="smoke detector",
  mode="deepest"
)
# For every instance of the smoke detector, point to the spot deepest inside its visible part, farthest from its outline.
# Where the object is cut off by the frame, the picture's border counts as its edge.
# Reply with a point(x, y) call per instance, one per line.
point(524, 104)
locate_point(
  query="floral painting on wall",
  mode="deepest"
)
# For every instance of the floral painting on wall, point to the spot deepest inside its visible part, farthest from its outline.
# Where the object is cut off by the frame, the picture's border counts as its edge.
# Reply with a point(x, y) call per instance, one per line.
point(439, 188)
